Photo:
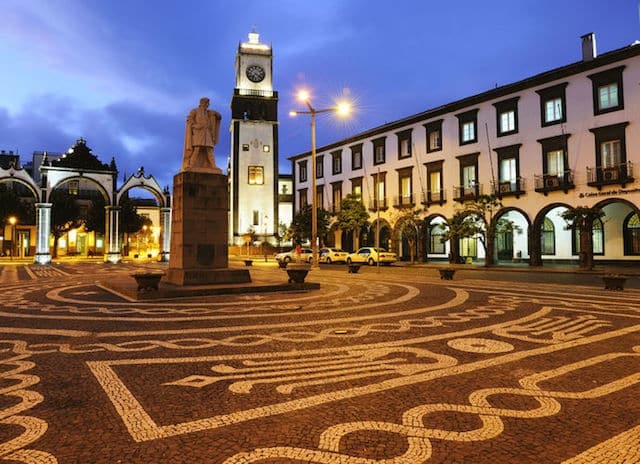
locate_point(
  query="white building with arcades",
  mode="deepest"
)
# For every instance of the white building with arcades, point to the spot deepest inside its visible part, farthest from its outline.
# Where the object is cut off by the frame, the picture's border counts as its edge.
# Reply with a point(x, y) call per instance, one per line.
point(564, 138)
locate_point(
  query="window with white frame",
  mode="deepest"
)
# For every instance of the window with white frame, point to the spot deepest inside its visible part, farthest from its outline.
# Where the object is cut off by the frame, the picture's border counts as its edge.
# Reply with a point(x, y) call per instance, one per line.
point(553, 106)
point(507, 116)
point(336, 162)
point(553, 110)
point(404, 143)
point(356, 156)
point(379, 153)
point(608, 93)
point(467, 127)
point(468, 131)
point(302, 171)
point(319, 166)
point(611, 153)
point(555, 163)
point(434, 135)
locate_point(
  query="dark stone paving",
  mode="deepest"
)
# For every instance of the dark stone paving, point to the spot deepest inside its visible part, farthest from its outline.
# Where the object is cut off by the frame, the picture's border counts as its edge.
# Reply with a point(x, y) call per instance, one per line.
point(391, 365)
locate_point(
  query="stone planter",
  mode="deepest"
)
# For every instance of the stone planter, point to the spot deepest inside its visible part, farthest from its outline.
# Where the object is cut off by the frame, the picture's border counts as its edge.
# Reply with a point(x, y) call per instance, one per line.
point(282, 264)
point(297, 273)
point(446, 274)
point(614, 282)
point(248, 262)
point(353, 268)
point(147, 281)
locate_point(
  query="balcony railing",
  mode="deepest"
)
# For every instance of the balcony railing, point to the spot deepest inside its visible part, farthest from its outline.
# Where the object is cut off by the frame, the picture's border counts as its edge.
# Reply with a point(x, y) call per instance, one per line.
point(376, 204)
point(434, 197)
point(462, 193)
point(256, 93)
point(404, 201)
point(549, 182)
point(619, 174)
point(509, 187)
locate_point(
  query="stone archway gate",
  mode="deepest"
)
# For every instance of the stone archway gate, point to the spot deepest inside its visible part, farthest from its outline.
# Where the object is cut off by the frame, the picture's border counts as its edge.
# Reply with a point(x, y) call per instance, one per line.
point(105, 182)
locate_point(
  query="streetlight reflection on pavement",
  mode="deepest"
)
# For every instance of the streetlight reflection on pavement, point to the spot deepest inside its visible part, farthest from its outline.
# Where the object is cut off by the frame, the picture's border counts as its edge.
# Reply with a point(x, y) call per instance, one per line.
point(342, 109)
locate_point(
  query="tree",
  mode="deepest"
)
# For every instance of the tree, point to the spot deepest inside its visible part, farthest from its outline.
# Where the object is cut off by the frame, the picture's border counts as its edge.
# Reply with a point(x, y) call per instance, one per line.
point(65, 215)
point(11, 204)
point(96, 216)
point(483, 221)
point(409, 221)
point(300, 229)
point(353, 216)
point(130, 221)
point(458, 226)
point(581, 219)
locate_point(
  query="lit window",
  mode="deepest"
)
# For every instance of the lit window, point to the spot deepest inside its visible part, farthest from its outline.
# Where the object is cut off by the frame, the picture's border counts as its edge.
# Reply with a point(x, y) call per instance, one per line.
point(266, 148)
point(74, 187)
point(608, 96)
point(434, 135)
point(611, 153)
point(507, 121)
point(256, 175)
point(553, 110)
point(468, 131)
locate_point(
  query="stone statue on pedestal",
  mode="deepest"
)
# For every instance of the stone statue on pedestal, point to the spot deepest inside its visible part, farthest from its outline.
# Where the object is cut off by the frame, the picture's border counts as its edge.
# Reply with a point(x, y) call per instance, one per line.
point(201, 134)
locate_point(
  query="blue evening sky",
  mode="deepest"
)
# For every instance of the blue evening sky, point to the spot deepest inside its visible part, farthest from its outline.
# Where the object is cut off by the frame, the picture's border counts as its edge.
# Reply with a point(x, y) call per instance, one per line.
point(123, 74)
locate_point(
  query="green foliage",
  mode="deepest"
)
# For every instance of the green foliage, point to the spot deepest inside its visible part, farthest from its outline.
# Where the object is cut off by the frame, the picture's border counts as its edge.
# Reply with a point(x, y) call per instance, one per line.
point(410, 223)
point(581, 218)
point(352, 216)
point(130, 221)
point(11, 204)
point(96, 215)
point(300, 229)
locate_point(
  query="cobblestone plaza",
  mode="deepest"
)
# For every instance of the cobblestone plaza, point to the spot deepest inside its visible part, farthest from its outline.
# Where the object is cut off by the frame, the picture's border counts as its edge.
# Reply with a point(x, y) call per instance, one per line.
point(383, 366)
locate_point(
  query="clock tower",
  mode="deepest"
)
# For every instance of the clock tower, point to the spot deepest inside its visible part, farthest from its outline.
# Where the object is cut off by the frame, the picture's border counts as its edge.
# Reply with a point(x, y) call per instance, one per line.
point(253, 164)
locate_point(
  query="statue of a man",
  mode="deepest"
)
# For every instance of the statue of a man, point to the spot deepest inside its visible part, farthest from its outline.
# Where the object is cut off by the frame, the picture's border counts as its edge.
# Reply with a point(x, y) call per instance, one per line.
point(203, 128)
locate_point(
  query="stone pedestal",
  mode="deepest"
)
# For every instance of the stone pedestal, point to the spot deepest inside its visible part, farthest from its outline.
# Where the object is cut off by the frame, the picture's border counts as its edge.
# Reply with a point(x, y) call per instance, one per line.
point(199, 252)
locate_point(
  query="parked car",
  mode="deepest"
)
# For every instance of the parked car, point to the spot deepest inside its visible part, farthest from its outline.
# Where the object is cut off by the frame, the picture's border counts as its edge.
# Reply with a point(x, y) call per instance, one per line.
point(371, 256)
point(306, 255)
point(332, 255)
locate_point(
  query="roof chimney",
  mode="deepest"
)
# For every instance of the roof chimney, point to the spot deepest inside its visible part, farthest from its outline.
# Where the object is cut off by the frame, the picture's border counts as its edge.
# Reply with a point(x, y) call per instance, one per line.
point(589, 47)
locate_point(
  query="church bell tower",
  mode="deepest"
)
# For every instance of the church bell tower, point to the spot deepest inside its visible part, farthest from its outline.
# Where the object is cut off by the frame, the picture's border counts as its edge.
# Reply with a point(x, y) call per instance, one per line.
point(253, 164)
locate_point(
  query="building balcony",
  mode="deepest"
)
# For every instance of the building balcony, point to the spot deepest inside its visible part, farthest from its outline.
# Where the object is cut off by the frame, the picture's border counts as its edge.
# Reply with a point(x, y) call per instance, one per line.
point(462, 193)
point(378, 204)
point(256, 93)
point(509, 187)
point(620, 174)
point(404, 201)
point(546, 183)
point(431, 198)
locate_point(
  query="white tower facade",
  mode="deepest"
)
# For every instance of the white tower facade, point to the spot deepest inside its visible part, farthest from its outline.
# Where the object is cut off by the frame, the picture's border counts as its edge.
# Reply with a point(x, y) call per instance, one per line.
point(253, 164)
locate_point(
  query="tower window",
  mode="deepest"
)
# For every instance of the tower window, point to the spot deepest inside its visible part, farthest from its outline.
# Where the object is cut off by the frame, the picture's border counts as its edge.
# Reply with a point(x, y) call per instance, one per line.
point(256, 175)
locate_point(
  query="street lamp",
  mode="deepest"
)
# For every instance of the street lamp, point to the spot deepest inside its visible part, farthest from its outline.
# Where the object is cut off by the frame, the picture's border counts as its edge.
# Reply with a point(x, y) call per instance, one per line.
point(341, 109)
point(12, 221)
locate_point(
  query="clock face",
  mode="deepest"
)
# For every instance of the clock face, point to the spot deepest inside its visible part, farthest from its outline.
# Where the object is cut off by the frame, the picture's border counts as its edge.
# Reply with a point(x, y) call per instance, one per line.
point(255, 73)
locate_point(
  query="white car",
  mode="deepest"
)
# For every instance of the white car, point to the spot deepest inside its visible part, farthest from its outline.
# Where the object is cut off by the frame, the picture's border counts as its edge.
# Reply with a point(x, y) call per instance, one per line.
point(371, 256)
point(306, 255)
point(332, 255)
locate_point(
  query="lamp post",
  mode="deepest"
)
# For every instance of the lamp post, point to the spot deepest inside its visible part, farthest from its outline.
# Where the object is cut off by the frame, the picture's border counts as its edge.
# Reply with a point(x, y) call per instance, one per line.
point(342, 109)
point(12, 221)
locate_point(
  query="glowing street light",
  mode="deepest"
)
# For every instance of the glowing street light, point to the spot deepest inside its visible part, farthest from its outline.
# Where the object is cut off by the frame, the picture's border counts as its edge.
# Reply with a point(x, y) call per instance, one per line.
point(342, 108)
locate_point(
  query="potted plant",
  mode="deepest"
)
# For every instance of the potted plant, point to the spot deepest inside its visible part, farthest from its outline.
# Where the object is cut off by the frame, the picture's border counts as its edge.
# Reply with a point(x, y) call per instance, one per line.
point(297, 272)
point(614, 281)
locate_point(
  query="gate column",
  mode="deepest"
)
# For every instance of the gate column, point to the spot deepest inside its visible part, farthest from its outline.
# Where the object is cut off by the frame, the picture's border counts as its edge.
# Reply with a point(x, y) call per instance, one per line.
point(43, 227)
point(112, 233)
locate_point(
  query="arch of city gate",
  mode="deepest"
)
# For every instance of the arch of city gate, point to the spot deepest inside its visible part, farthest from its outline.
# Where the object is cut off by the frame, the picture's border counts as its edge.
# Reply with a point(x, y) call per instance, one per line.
point(104, 180)
point(150, 184)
